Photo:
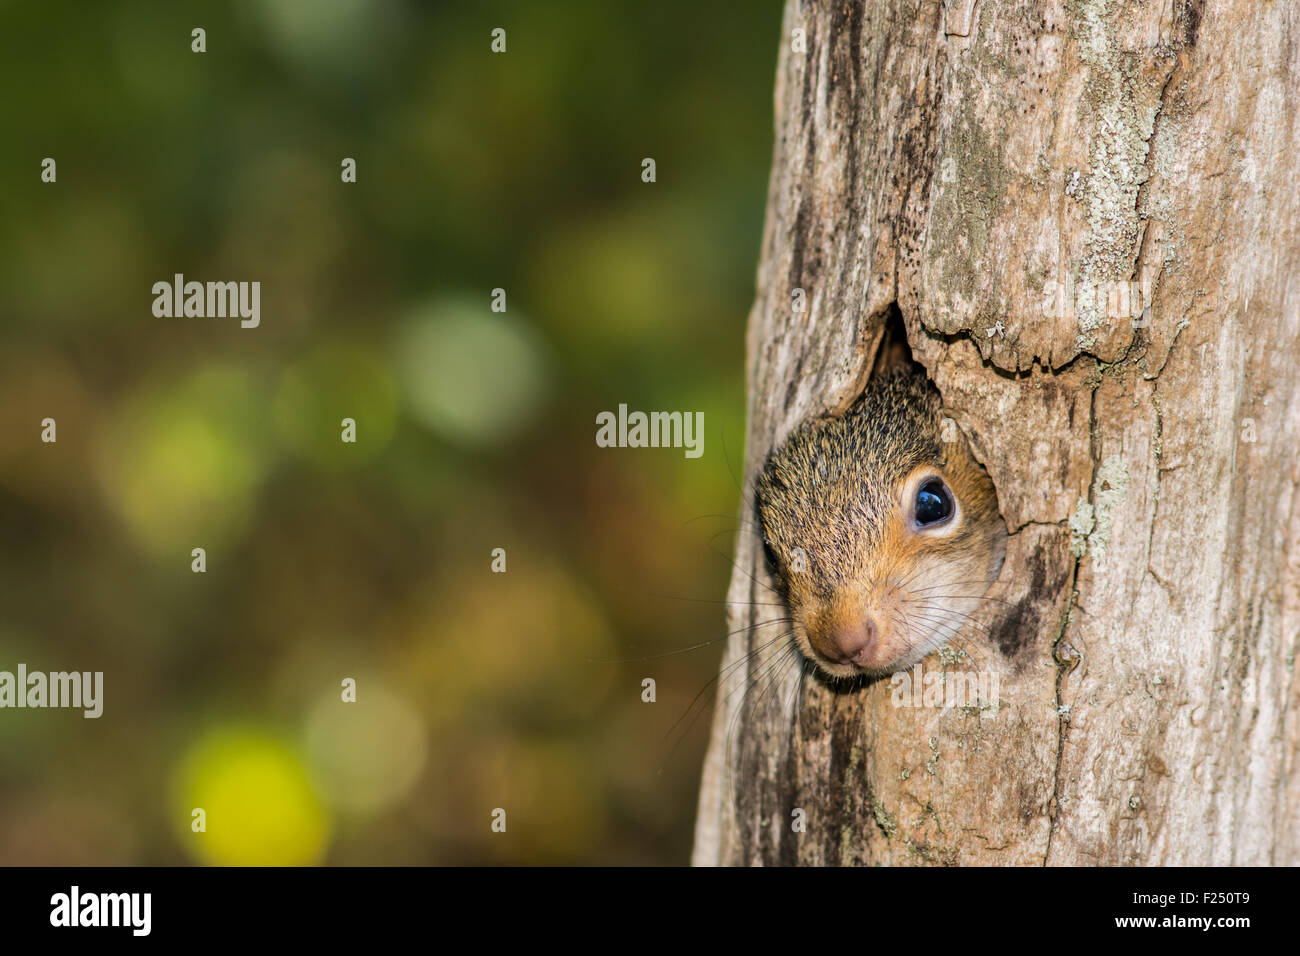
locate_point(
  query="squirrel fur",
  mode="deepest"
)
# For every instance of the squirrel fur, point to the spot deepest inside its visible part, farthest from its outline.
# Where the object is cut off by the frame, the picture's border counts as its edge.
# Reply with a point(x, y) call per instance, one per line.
point(872, 588)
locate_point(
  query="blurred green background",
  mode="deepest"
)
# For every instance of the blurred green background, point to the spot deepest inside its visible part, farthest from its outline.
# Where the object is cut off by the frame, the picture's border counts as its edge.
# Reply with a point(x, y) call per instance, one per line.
point(475, 429)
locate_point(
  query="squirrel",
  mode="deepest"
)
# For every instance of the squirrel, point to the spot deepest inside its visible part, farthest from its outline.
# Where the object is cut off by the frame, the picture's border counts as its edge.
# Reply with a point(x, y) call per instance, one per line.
point(884, 538)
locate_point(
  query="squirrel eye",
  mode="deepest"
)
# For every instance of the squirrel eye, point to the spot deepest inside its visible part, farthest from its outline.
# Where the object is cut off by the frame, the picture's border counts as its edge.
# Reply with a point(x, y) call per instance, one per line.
point(933, 502)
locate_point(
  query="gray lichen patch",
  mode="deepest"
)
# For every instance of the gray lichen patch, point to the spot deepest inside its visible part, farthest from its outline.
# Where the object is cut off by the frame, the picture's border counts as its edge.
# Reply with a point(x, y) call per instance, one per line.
point(1120, 105)
point(1090, 524)
point(1111, 488)
point(1081, 524)
point(933, 762)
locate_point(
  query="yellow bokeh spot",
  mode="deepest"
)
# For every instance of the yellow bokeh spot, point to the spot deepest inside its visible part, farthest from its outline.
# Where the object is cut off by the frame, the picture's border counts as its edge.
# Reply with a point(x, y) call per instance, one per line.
point(258, 800)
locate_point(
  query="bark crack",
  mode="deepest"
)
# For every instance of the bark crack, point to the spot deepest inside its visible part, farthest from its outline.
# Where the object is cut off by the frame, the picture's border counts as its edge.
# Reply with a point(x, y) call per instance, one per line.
point(1066, 656)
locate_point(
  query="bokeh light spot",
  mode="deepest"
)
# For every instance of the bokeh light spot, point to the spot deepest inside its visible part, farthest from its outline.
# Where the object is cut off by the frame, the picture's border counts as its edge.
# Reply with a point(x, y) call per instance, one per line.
point(261, 808)
point(330, 383)
point(183, 461)
point(473, 375)
point(365, 754)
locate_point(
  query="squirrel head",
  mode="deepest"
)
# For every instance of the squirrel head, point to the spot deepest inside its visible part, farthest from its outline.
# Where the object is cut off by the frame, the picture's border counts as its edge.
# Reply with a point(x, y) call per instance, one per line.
point(884, 536)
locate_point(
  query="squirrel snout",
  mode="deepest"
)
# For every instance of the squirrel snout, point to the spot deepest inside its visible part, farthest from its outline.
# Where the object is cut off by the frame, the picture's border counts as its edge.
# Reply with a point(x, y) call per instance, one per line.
point(852, 641)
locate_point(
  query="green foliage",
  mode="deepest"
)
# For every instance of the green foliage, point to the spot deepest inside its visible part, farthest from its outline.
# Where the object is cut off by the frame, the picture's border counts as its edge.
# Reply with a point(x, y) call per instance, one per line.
point(475, 430)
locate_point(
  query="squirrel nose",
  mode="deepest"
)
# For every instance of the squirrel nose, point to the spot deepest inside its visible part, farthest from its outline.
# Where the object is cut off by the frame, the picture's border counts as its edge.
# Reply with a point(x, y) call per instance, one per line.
point(856, 642)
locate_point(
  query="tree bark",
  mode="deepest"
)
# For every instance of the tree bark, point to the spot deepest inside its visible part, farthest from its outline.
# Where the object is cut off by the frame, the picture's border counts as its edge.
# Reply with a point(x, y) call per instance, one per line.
point(965, 162)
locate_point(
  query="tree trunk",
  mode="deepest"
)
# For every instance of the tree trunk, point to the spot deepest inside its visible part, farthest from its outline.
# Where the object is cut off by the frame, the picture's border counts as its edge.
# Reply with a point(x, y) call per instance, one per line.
point(1000, 172)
